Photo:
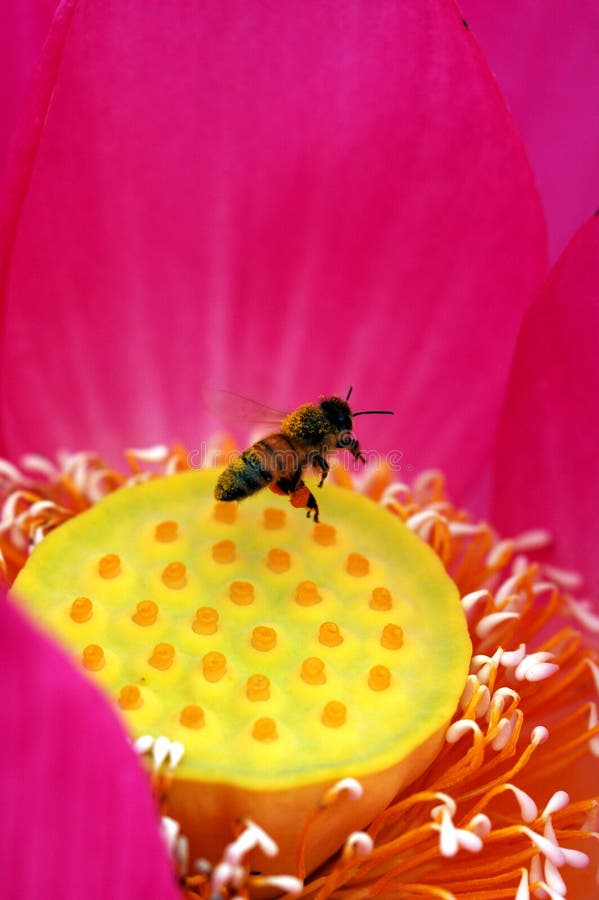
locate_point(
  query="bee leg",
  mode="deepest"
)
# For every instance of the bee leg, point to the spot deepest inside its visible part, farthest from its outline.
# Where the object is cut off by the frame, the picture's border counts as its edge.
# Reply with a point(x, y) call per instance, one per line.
point(354, 448)
point(320, 462)
point(303, 498)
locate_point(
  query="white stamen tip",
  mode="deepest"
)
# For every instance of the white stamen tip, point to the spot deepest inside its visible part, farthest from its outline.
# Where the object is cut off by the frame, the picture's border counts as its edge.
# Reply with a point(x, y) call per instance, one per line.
point(523, 893)
point(512, 658)
point(175, 754)
point(459, 729)
point(539, 735)
point(268, 846)
point(488, 623)
point(528, 807)
point(469, 601)
point(170, 830)
point(160, 751)
point(143, 744)
point(351, 785)
point(480, 825)
point(558, 801)
point(359, 843)
point(548, 848)
point(575, 858)
point(286, 883)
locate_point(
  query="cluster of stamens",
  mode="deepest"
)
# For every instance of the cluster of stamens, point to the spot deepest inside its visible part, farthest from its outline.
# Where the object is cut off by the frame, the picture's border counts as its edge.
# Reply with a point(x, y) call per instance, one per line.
point(531, 695)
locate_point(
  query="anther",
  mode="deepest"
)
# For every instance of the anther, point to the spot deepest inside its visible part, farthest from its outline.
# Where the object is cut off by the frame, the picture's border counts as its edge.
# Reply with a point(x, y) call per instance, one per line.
point(92, 657)
point(274, 519)
point(278, 561)
point(241, 592)
point(205, 621)
point(380, 599)
point(258, 687)
point(334, 714)
point(325, 535)
point(392, 637)
point(192, 716)
point(174, 576)
point(329, 634)
point(306, 594)
point(379, 678)
point(109, 566)
point(263, 638)
point(224, 552)
point(130, 697)
point(357, 565)
point(162, 656)
point(214, 666)
point(165, 532)
point(265, 730)
point(312, 671)
point(146, 613)
point(81, 609)
point(225, 512)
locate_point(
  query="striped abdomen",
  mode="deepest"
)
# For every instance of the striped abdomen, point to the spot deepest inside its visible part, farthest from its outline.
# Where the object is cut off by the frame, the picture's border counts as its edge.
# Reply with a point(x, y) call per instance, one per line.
point(266, 461)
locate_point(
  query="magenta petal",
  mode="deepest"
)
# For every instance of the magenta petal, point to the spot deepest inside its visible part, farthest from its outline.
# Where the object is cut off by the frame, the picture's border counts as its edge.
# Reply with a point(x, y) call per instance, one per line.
point(545, 58)
point(25, 24)
point(548, 449)
point(278, 199)
point(77, 817)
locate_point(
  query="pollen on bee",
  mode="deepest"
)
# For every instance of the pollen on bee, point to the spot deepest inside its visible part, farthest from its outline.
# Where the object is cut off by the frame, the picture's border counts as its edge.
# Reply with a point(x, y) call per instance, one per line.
point(224, 552)
point(205, 620)
point(278, 561)
point(81, 609)
point(166, 532)
point(174, 576)
point(109, 566)
point(146, 613)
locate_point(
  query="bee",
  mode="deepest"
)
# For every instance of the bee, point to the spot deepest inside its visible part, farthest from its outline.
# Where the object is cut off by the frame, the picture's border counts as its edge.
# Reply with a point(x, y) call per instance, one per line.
point(307, 436)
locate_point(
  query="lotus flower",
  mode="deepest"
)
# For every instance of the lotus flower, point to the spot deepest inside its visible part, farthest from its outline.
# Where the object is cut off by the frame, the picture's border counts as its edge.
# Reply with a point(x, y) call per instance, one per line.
point(278, 203)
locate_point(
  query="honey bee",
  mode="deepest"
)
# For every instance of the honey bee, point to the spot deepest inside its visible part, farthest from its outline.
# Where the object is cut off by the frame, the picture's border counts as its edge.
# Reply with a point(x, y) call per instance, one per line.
point(306, 438)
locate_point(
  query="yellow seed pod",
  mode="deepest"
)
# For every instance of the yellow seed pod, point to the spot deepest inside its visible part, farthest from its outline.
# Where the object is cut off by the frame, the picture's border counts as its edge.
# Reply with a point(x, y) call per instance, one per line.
point(284, 655)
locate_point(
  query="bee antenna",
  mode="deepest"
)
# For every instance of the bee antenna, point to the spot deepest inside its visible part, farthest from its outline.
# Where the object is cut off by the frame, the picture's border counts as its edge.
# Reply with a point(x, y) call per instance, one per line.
point(374, 412)
point(349, 393)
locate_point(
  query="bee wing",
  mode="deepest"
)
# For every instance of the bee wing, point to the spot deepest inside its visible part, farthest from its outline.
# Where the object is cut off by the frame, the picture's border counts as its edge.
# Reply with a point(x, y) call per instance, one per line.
point(236, 408)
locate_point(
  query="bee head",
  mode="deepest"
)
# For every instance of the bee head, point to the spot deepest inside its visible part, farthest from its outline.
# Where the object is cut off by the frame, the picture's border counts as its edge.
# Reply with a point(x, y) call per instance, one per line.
point(337, 412)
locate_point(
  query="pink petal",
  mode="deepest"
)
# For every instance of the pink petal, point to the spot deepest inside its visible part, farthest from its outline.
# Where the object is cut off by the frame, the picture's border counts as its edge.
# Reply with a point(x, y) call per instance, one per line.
point(547, 469)
point(25, 24)
point(77, 816)
point(545, 57)
point(280, 200)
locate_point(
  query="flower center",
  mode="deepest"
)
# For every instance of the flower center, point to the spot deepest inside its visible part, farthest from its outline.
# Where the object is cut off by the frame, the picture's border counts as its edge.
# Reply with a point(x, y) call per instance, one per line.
point(283, 655)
